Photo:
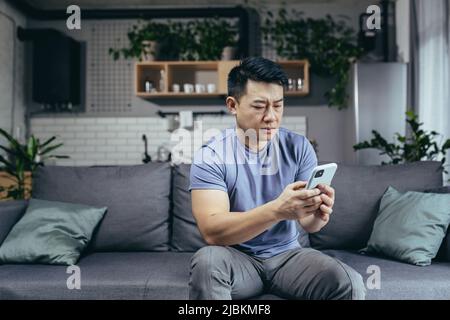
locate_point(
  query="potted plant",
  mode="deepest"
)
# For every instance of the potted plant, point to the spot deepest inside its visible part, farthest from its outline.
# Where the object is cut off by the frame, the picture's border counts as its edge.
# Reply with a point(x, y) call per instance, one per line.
point(421, 145)
point(20, 161)
point(215, 39)
point(330, 46)
point(145, 41)
point(150, 50)
point(206, 39)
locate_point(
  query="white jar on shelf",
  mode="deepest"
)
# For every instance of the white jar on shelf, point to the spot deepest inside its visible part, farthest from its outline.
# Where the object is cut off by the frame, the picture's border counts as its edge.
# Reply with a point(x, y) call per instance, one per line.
point(299, 84)
point(162, 81)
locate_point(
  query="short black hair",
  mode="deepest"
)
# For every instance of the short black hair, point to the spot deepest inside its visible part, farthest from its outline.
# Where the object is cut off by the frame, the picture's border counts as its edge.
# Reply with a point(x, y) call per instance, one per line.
point(256, 69)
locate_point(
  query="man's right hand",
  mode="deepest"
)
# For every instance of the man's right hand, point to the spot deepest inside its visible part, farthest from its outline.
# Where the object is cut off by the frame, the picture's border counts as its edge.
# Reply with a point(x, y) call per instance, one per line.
point(296, 202)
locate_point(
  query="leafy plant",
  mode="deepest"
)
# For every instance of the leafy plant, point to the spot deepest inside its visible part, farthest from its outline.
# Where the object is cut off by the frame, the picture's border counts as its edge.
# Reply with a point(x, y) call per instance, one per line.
point(330, 46)
point(421, 145)
point(211, 36)
point(193, 40)
point(20, 159)
point(150, 31)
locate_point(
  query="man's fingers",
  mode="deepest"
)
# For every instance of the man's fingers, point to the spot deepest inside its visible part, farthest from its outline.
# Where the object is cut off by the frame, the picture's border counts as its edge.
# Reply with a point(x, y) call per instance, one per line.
point(312, 201)
point(305, 194)
point(325, 209)
point(323, 216)
point(326, 189)
point(327, 200)
point(298, 184)
point(312, 209)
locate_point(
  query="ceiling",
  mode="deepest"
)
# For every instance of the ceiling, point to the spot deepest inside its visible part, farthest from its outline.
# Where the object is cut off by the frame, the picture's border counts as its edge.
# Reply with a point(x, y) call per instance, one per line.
point(110, 4)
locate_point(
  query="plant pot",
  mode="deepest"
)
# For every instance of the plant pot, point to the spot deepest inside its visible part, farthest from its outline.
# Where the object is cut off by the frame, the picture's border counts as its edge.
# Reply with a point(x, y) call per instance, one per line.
point(228, 53)
point(6, 181)
point(150, 50)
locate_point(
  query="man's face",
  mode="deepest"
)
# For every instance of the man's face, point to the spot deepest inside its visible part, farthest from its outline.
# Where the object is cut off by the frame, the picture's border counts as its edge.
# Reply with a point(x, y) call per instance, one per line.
point(260, 108)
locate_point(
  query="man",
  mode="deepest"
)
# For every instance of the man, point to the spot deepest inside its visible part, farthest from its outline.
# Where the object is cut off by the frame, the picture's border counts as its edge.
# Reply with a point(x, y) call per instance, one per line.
point(248, 194)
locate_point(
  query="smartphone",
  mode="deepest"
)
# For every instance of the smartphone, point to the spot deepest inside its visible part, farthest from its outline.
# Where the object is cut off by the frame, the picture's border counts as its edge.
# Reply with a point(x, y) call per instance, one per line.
point(322, 174)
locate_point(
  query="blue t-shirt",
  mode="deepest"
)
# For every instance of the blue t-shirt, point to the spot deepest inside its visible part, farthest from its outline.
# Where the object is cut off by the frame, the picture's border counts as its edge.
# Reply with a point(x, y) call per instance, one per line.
point(252, 179)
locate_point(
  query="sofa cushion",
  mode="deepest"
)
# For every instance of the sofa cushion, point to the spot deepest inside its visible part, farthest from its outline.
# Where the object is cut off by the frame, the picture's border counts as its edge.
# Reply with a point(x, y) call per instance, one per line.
point(106, 276)
point(103, 275)
point(10, 213)
point(445, 189)
point(137, 198)
point(398, 280)
point(410, 226)
point(358, 192)
point(185, 233)
point(51, 232)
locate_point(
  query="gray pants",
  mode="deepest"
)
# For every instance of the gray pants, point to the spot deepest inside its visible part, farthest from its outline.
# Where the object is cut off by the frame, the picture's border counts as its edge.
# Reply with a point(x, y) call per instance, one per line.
point(224, 273)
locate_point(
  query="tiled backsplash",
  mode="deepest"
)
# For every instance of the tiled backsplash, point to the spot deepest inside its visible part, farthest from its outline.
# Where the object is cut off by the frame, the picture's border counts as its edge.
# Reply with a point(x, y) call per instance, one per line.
point(118, 141)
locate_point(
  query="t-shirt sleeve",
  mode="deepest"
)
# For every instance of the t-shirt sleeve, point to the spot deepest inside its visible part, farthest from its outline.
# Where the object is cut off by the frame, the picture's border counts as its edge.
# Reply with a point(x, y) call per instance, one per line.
point(308, 161)
point(207, 171)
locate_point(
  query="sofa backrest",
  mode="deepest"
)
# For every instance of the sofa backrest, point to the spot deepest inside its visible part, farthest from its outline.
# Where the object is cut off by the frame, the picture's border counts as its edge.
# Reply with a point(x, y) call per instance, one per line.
point(137, 197)
point(185, 233)
point(11, 212)
point(358, 193)
point(149, 209)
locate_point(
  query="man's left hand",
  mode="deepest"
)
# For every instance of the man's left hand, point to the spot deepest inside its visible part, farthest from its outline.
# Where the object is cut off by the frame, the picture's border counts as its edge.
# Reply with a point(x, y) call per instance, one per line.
point(326, 208)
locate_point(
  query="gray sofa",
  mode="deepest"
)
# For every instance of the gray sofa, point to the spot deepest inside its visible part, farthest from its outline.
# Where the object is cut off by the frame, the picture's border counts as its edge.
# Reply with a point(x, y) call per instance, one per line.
point(142, 247)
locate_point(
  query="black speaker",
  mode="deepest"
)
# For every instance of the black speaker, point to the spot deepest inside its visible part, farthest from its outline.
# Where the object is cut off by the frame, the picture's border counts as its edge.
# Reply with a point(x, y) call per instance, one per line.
point(56, 66)
point(379, 45)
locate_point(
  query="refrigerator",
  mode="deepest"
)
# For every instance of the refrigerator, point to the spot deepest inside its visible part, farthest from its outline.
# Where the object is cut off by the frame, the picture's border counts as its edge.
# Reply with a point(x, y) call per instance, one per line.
point(378, 94)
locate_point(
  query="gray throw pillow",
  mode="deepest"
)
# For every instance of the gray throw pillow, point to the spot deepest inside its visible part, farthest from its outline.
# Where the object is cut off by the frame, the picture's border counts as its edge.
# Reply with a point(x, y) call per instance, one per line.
point(410, 226)
point(51, 232)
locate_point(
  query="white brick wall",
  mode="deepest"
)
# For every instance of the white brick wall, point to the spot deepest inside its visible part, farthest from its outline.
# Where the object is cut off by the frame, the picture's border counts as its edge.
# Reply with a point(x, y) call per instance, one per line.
point(118, 141)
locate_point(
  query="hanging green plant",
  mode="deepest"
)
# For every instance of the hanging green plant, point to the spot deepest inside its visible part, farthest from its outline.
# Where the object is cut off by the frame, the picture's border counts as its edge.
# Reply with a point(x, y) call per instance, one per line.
point(151, 41)
point(330, 46)
point(211, 36)
point(201, 39)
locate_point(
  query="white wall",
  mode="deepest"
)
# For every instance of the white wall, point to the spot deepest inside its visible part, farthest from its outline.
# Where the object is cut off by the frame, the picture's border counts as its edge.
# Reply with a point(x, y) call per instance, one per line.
point(12, 71)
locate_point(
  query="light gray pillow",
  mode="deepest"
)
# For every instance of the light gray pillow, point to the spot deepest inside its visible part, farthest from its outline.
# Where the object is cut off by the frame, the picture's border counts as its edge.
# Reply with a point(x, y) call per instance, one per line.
point(51, 232)
point(410, 226)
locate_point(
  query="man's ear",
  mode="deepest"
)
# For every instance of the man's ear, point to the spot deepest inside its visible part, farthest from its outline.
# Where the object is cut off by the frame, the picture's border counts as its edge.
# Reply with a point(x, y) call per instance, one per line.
point(231, 104)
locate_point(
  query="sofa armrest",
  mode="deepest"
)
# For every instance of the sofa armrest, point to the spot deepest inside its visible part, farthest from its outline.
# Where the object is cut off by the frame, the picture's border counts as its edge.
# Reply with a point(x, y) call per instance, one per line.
point(444, 250)
point(10, 213)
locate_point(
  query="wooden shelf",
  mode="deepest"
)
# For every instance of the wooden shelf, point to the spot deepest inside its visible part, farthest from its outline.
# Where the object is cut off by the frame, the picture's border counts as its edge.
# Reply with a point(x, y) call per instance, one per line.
point(297, 93)
point(178, 95)
point(296, 69)
point(164, 74)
